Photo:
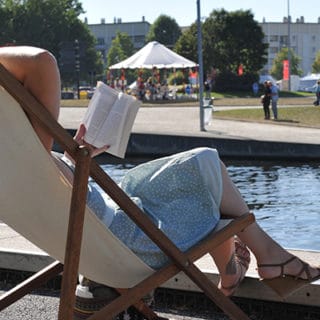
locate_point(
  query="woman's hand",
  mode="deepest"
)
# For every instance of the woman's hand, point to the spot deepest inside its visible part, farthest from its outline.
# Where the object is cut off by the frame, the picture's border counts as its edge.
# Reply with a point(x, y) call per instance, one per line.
point(79, 137)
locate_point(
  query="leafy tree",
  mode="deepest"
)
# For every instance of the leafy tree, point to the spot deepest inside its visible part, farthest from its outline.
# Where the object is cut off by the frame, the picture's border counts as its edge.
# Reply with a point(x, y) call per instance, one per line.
point(316, 63)
point(187, 43)
point(121, 48)
point(230, 39)
point(277, 64)
point(53, 25)
point(164, 30)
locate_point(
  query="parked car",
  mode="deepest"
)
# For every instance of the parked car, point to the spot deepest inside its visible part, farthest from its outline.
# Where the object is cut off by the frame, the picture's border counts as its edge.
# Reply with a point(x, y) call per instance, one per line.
point(86, 92)
point(67, 95)
point(309, 82)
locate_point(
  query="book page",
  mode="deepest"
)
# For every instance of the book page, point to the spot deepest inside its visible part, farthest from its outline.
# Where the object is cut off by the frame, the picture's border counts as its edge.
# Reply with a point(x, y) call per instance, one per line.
point(126, 108)
point(109, 119)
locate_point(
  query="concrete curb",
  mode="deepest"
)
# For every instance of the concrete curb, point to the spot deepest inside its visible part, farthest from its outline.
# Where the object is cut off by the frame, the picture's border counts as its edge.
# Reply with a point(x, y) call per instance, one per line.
point(148, 145)
point(160, 144)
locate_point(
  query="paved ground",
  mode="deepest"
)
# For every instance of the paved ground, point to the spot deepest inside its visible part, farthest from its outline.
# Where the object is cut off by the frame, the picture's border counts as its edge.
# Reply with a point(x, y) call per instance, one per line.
point(186, 121)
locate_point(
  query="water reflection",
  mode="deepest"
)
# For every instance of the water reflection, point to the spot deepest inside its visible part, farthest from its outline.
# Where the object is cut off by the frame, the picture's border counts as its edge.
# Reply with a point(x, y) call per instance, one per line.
point(284, 198)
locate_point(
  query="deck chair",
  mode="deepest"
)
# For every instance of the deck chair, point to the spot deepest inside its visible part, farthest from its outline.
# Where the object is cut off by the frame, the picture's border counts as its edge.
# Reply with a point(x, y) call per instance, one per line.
point(38, 202)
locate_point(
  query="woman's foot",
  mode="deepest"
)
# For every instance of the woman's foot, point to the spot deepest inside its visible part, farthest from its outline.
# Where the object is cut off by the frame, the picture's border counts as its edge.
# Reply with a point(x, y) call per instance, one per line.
point(291, 266)
point(241, 260)
point(289, 276)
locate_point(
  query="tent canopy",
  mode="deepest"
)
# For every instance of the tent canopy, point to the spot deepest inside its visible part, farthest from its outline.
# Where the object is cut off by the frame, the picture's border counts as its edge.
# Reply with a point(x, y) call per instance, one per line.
point(154, 54)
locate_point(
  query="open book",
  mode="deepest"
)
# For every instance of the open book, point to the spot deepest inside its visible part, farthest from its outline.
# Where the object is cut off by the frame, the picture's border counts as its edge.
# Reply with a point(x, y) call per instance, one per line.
point(109, 119)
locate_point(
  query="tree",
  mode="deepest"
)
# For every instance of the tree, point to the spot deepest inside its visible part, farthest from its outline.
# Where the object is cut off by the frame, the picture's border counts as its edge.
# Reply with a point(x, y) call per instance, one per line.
point(230, 40)
point(277, 65)
point(187, 43)
point(316, 63)
point(53, 25)
point(164, 30)
point(121, 48)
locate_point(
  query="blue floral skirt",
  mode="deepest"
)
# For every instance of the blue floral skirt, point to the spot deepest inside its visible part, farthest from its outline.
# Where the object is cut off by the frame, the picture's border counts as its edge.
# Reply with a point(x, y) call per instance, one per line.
point(181, 194)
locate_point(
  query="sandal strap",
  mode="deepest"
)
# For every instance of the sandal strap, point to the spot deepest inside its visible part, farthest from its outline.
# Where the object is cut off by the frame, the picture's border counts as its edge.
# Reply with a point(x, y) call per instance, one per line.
point(281, 265)
point(304, 268)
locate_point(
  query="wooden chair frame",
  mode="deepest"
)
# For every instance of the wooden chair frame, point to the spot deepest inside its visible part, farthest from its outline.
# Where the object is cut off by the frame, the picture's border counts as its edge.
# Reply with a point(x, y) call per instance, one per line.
point(84, 168)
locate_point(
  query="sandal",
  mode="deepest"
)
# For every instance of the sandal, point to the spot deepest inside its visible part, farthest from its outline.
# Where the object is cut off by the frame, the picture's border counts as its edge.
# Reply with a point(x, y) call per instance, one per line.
point(243, 262)
point(241, 250)
point(285, 284)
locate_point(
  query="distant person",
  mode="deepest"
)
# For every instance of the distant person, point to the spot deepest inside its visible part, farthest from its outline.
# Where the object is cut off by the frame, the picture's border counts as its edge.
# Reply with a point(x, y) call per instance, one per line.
point(266, 99)
point(274, 99)
point(188, 89)
point(255, 88)
point(317, 101)
point(208, 87)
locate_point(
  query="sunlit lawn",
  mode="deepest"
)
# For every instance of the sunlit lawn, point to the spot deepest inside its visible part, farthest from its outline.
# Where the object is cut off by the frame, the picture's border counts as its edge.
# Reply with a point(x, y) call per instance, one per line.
point(307, 116)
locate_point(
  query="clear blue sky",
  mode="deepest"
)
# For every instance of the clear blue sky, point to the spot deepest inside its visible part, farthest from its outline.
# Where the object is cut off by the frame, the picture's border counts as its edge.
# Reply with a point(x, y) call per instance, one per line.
point(185, 11)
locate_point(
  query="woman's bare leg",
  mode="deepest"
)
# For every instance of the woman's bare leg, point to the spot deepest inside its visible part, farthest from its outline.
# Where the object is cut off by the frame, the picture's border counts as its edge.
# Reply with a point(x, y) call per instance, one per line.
point(265, 249)
point(229, 270)
point(37, 70)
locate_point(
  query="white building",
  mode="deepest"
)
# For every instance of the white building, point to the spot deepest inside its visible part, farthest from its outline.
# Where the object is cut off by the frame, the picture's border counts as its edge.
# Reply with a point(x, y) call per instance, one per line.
point(304, 40)
point(106, 32)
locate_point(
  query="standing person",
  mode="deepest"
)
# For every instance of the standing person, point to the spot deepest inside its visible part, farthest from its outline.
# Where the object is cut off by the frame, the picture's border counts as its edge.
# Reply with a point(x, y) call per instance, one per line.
point(265, 99)
point(184, 194)
point(317, 92)
point(208, 86)
point(274, 99)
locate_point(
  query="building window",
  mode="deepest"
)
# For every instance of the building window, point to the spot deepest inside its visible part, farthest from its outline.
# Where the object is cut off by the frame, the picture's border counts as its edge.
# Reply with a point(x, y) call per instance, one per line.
point(274, 49)
point(313, 38)
point(274, 38)
point(139, 38)
point(283, 41)
point(100, 41)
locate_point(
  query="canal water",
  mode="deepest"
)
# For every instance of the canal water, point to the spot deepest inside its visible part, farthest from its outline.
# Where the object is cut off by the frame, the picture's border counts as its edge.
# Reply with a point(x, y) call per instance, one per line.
point(284, 197)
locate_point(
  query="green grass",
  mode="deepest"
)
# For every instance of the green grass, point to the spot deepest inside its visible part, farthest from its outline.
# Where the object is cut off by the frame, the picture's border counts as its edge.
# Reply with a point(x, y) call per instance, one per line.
point(244, 94)
point(303, 116)
point(76, 103)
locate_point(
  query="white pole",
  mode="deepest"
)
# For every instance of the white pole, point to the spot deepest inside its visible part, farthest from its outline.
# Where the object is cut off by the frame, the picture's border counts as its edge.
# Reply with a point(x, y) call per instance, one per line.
point(200, 62)
point(289, 45)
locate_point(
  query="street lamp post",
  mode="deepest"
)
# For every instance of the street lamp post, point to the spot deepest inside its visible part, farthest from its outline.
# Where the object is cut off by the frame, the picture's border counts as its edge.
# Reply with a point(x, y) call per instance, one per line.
point(289, 46)
point(200, 62)
point(77, 64)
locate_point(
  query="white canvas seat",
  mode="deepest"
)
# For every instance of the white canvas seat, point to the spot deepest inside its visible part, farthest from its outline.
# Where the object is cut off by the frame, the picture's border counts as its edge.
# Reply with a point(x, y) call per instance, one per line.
point(35, 199)
point(29, 181)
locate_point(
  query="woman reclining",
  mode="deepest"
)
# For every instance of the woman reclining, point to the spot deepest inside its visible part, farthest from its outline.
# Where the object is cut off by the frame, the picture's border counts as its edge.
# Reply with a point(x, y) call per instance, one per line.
point(184, 194)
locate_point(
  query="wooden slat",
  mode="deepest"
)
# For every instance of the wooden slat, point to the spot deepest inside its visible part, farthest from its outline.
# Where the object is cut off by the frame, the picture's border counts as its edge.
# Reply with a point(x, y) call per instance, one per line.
point(167, 272)
point(32, 283)
point(75, 230)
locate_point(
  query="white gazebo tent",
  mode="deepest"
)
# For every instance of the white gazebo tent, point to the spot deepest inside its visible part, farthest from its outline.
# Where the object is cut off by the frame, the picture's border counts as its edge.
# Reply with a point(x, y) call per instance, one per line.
point(154, 55)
